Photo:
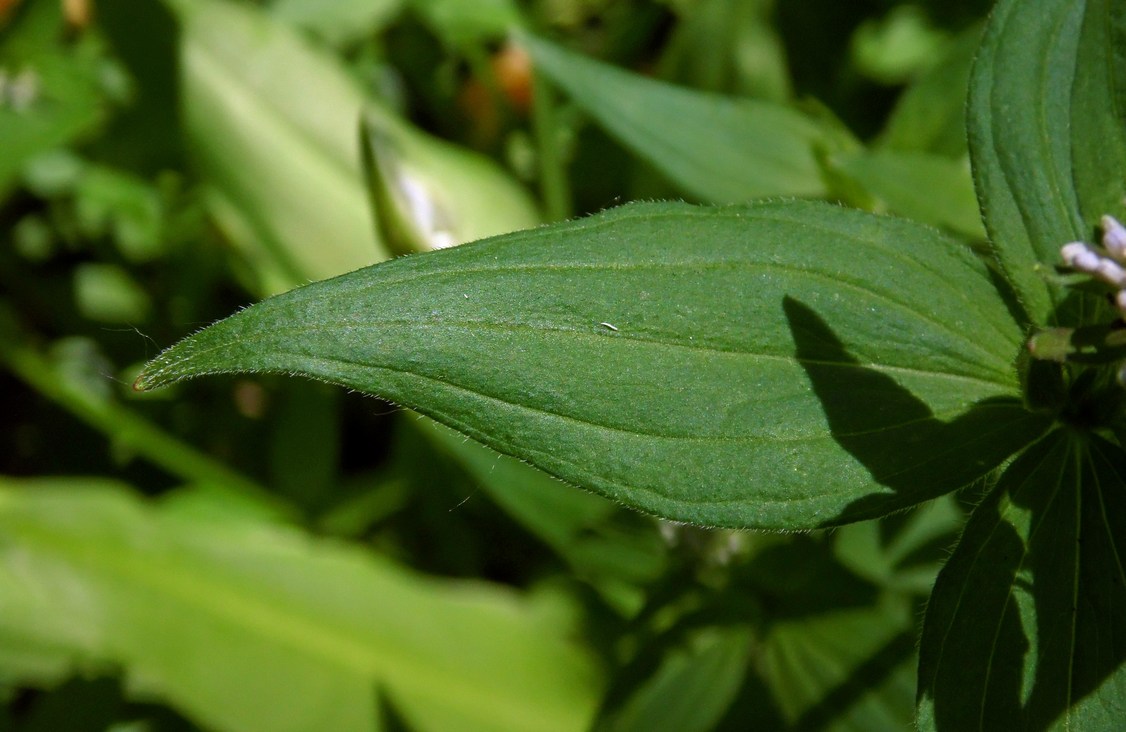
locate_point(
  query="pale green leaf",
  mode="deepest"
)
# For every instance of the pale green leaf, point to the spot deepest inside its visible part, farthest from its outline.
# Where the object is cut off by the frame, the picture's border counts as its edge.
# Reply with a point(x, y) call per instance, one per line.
point(247, 625)
point(430, 196)
point(720, 149)
point(1027, 624)
point(923, 186)
point(896, 47)
point(1046, 133)
point(106, 293)
point(340, 22)
point(712, 365)
point(273, 123)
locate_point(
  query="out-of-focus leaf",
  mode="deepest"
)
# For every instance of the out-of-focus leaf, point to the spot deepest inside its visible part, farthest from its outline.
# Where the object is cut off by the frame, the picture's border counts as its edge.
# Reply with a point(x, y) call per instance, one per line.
point(109, 201)
point(930, 116)
point(273, 129)
point(106, 293)
point(703, 364)
point(49, 94)
point(728, 46)
point(889, 560)
point(922, 186)
point(1027, 623)
point(1046, 132)
point(304, 469)
point(249, 626)
point(38, 662)
point(274, 123)
point(691, 688)
point(427, 201)
point(467, 22)
point(896, 47)
point(339, 22)
point(717, 148)
point(585, 529)
point(844, 670)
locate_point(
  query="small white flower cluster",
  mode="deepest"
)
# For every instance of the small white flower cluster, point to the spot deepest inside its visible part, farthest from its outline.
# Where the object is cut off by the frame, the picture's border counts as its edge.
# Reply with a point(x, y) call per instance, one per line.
point(1110, 267)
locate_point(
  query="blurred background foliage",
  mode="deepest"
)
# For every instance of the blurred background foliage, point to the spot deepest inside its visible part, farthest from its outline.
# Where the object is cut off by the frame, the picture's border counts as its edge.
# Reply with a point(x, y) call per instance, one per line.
point(264, 553)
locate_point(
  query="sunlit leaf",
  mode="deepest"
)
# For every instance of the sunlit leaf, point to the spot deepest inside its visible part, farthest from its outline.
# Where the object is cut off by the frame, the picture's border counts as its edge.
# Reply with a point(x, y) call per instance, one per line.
point(341, 22)
point(708, 365)
point(1047, 137)
point(247, 625)
point(274, 124)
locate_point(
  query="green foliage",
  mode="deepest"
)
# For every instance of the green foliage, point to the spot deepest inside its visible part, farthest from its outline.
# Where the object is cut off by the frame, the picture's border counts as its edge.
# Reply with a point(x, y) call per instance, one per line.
point(900, 360)
point(742, 148)
point(562, 346)
point(317, 627)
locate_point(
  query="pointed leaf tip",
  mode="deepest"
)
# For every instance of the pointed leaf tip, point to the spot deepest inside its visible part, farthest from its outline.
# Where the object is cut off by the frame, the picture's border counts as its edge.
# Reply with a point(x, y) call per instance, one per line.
point(700, 404)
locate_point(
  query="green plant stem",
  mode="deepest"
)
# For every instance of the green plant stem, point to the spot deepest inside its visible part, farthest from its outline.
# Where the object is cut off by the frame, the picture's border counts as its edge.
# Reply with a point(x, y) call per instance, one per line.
point(122, 425)
point(554, 186)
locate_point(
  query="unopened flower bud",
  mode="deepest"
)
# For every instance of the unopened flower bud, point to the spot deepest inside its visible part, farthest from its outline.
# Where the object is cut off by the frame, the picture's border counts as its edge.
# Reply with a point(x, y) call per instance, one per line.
point(1079, 256)
point(1084, 259)
point(1114, 238)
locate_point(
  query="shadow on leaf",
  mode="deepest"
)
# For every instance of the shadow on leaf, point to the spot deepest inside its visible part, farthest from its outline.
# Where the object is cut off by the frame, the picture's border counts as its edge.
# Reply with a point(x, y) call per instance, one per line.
point(1026, 628)
point(893, 434)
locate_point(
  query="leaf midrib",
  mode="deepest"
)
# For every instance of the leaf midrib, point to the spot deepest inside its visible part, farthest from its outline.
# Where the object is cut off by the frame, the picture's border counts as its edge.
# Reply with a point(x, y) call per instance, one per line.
point(301, 633)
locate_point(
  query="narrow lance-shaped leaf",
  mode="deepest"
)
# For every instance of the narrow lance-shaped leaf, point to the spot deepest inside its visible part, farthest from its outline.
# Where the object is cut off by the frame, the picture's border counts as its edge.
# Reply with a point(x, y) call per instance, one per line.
point(1046, 131)
point(720, 149)
point(1026, 628)
point(782, 365)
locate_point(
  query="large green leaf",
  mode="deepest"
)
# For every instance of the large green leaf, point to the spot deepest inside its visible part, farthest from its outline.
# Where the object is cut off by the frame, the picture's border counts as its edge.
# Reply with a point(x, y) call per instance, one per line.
point(714, 365)
point(247, 625)
point(720, 149)
point(1027, 625)
point(1046, 132)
